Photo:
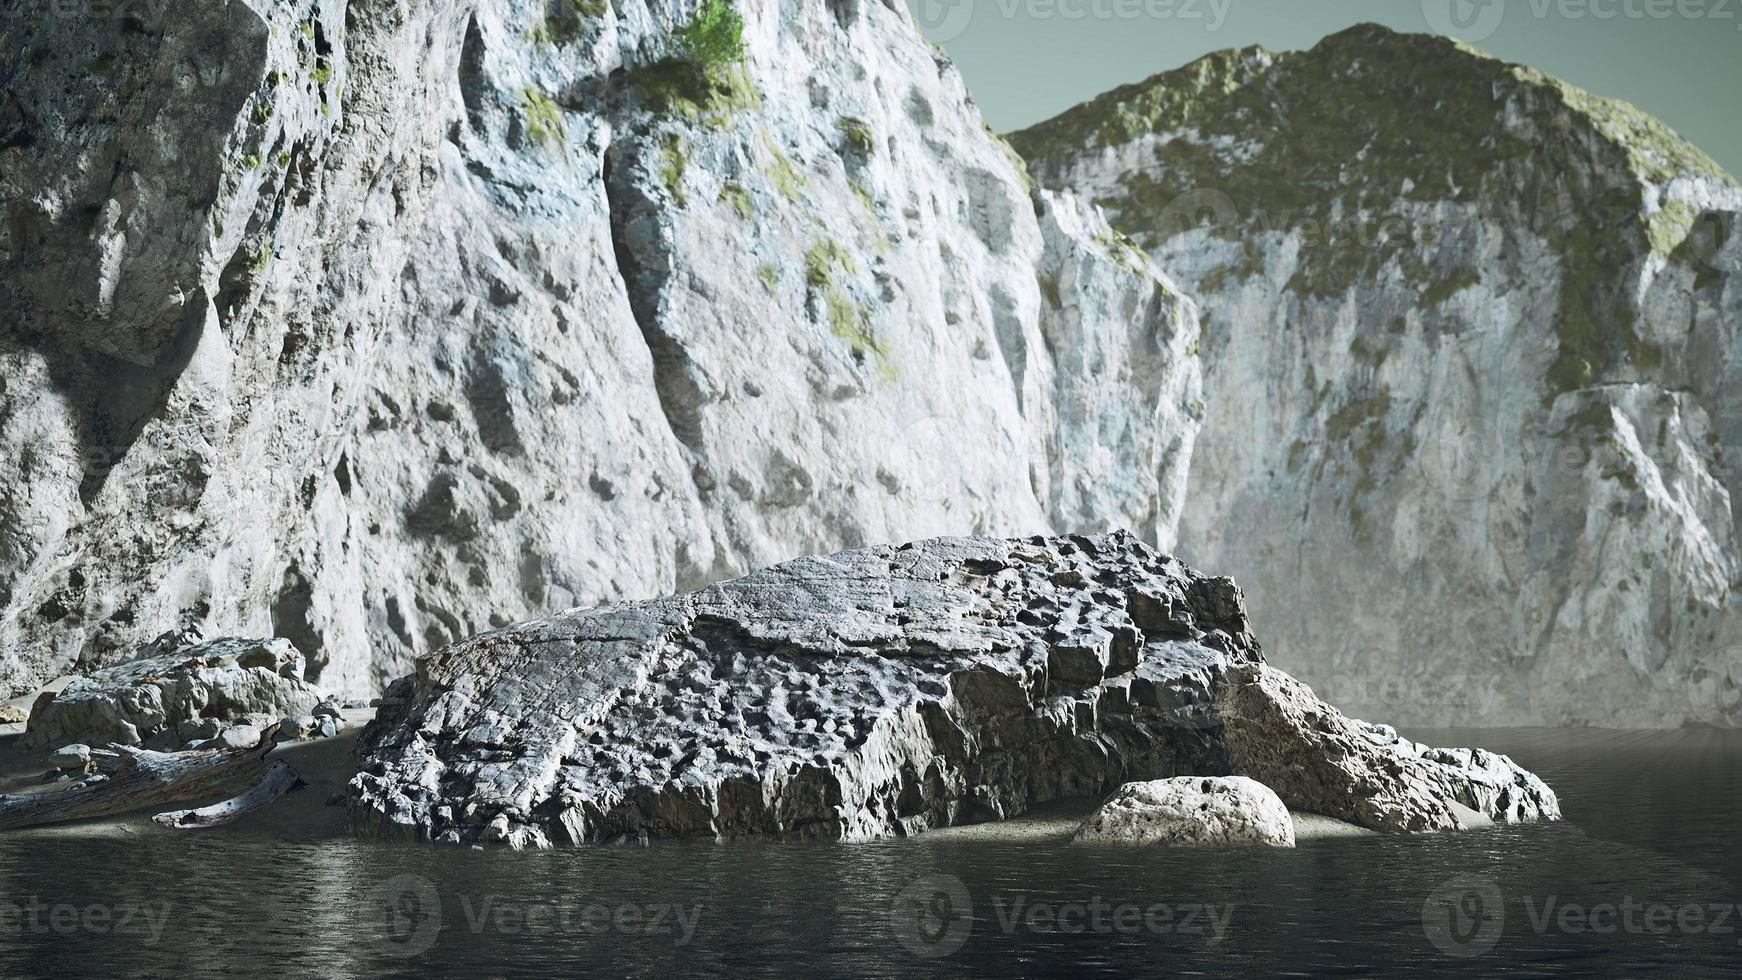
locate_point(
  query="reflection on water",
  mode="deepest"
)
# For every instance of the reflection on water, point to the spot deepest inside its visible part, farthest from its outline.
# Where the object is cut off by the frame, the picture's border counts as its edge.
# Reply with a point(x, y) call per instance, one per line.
point(1649, 839)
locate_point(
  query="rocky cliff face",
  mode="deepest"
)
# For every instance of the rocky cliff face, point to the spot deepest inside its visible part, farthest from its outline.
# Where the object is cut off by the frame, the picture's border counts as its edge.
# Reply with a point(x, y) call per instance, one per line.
point(1473, 369)
point(881, 693)
point(374, 324)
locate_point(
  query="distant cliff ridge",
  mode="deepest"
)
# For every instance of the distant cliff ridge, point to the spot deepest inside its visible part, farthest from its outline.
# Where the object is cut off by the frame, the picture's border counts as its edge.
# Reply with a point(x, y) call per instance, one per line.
point(1472, 366)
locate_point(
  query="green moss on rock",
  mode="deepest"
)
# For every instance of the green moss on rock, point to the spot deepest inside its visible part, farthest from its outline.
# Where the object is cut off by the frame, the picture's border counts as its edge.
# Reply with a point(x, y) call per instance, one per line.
point(543, 118)
point(847, 319)
point(738, 199)
point(857, 134)
point(674, 164)
point(703, 78)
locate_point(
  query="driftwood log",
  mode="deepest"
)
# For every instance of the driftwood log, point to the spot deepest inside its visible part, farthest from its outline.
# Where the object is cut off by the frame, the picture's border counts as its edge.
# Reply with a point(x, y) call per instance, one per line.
point(279, 780)
point(146, 779)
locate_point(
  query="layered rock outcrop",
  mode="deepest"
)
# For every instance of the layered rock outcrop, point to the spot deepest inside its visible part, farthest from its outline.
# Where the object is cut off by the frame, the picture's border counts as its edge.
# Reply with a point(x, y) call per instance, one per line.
point(1321, 761)
point(373, 325)
point(177, 690)
point(879, 693)
point(1471, 341)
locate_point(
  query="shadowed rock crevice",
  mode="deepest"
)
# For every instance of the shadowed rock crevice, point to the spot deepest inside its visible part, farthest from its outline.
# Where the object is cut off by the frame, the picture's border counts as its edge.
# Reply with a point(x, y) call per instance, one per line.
point(644, 266)
point(112, 400)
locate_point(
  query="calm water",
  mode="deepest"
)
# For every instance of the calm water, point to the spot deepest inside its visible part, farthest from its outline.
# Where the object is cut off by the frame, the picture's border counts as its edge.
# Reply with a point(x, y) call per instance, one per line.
point(1651, 831)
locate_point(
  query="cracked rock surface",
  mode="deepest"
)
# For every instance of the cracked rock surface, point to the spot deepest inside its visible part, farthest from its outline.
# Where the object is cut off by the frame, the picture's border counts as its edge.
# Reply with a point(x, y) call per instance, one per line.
point(879, 693)
point(1318, 760)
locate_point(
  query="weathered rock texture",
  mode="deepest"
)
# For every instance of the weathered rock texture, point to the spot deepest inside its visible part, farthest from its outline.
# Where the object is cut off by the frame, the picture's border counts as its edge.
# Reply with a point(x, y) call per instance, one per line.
point(870, 694)
point(373, 324)
point(1191, 811)
point(1320, 761)
point(1473, 369)
point(177, 691)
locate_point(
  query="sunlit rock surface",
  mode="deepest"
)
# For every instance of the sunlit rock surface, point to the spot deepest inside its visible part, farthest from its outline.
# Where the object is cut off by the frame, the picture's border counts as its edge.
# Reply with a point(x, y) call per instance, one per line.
point(375, 325)
point(177, 690)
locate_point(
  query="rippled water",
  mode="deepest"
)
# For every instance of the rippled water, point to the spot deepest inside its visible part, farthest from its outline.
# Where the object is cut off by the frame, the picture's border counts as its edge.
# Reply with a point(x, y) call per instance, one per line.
point(1651, 822)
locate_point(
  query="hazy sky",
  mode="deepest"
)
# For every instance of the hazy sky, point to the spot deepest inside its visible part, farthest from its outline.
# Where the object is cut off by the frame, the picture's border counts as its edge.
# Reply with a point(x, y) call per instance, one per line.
point(1028, 60)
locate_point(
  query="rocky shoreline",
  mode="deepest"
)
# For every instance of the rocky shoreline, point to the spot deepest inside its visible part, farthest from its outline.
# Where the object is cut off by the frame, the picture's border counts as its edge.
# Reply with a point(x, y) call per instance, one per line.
point(879, 693)
point(882, 693)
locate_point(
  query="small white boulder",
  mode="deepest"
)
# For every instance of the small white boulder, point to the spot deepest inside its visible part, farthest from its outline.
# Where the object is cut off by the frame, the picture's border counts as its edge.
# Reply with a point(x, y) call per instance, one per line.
point(1191, 811)
point(240, 737)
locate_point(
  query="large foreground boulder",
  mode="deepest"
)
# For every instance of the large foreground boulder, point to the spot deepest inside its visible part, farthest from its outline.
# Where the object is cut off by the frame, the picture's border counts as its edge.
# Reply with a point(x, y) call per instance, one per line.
point(869, 694)
point(177, 690)
point(1191, 811)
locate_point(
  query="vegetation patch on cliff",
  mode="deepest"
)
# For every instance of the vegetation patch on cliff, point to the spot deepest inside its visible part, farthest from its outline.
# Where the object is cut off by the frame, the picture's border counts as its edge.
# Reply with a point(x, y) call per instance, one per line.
point(704, 78)
point(847, 319)
point(1356, 148)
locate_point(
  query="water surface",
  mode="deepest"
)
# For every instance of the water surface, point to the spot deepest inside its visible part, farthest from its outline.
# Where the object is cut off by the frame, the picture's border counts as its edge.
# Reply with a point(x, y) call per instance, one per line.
point(1650, 827)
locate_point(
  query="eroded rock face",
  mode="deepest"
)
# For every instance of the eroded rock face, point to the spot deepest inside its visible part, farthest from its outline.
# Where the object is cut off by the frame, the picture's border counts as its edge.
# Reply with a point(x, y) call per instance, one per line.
point(426, 318)
point(1320, 761)
point(1472, 352)
point(178, 690)
point(1191, 811)
point(868, 694)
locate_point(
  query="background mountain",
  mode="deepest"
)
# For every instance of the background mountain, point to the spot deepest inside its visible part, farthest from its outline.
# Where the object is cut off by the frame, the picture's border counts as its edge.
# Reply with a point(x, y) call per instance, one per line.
point(1471, 353)
point(374, 325)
